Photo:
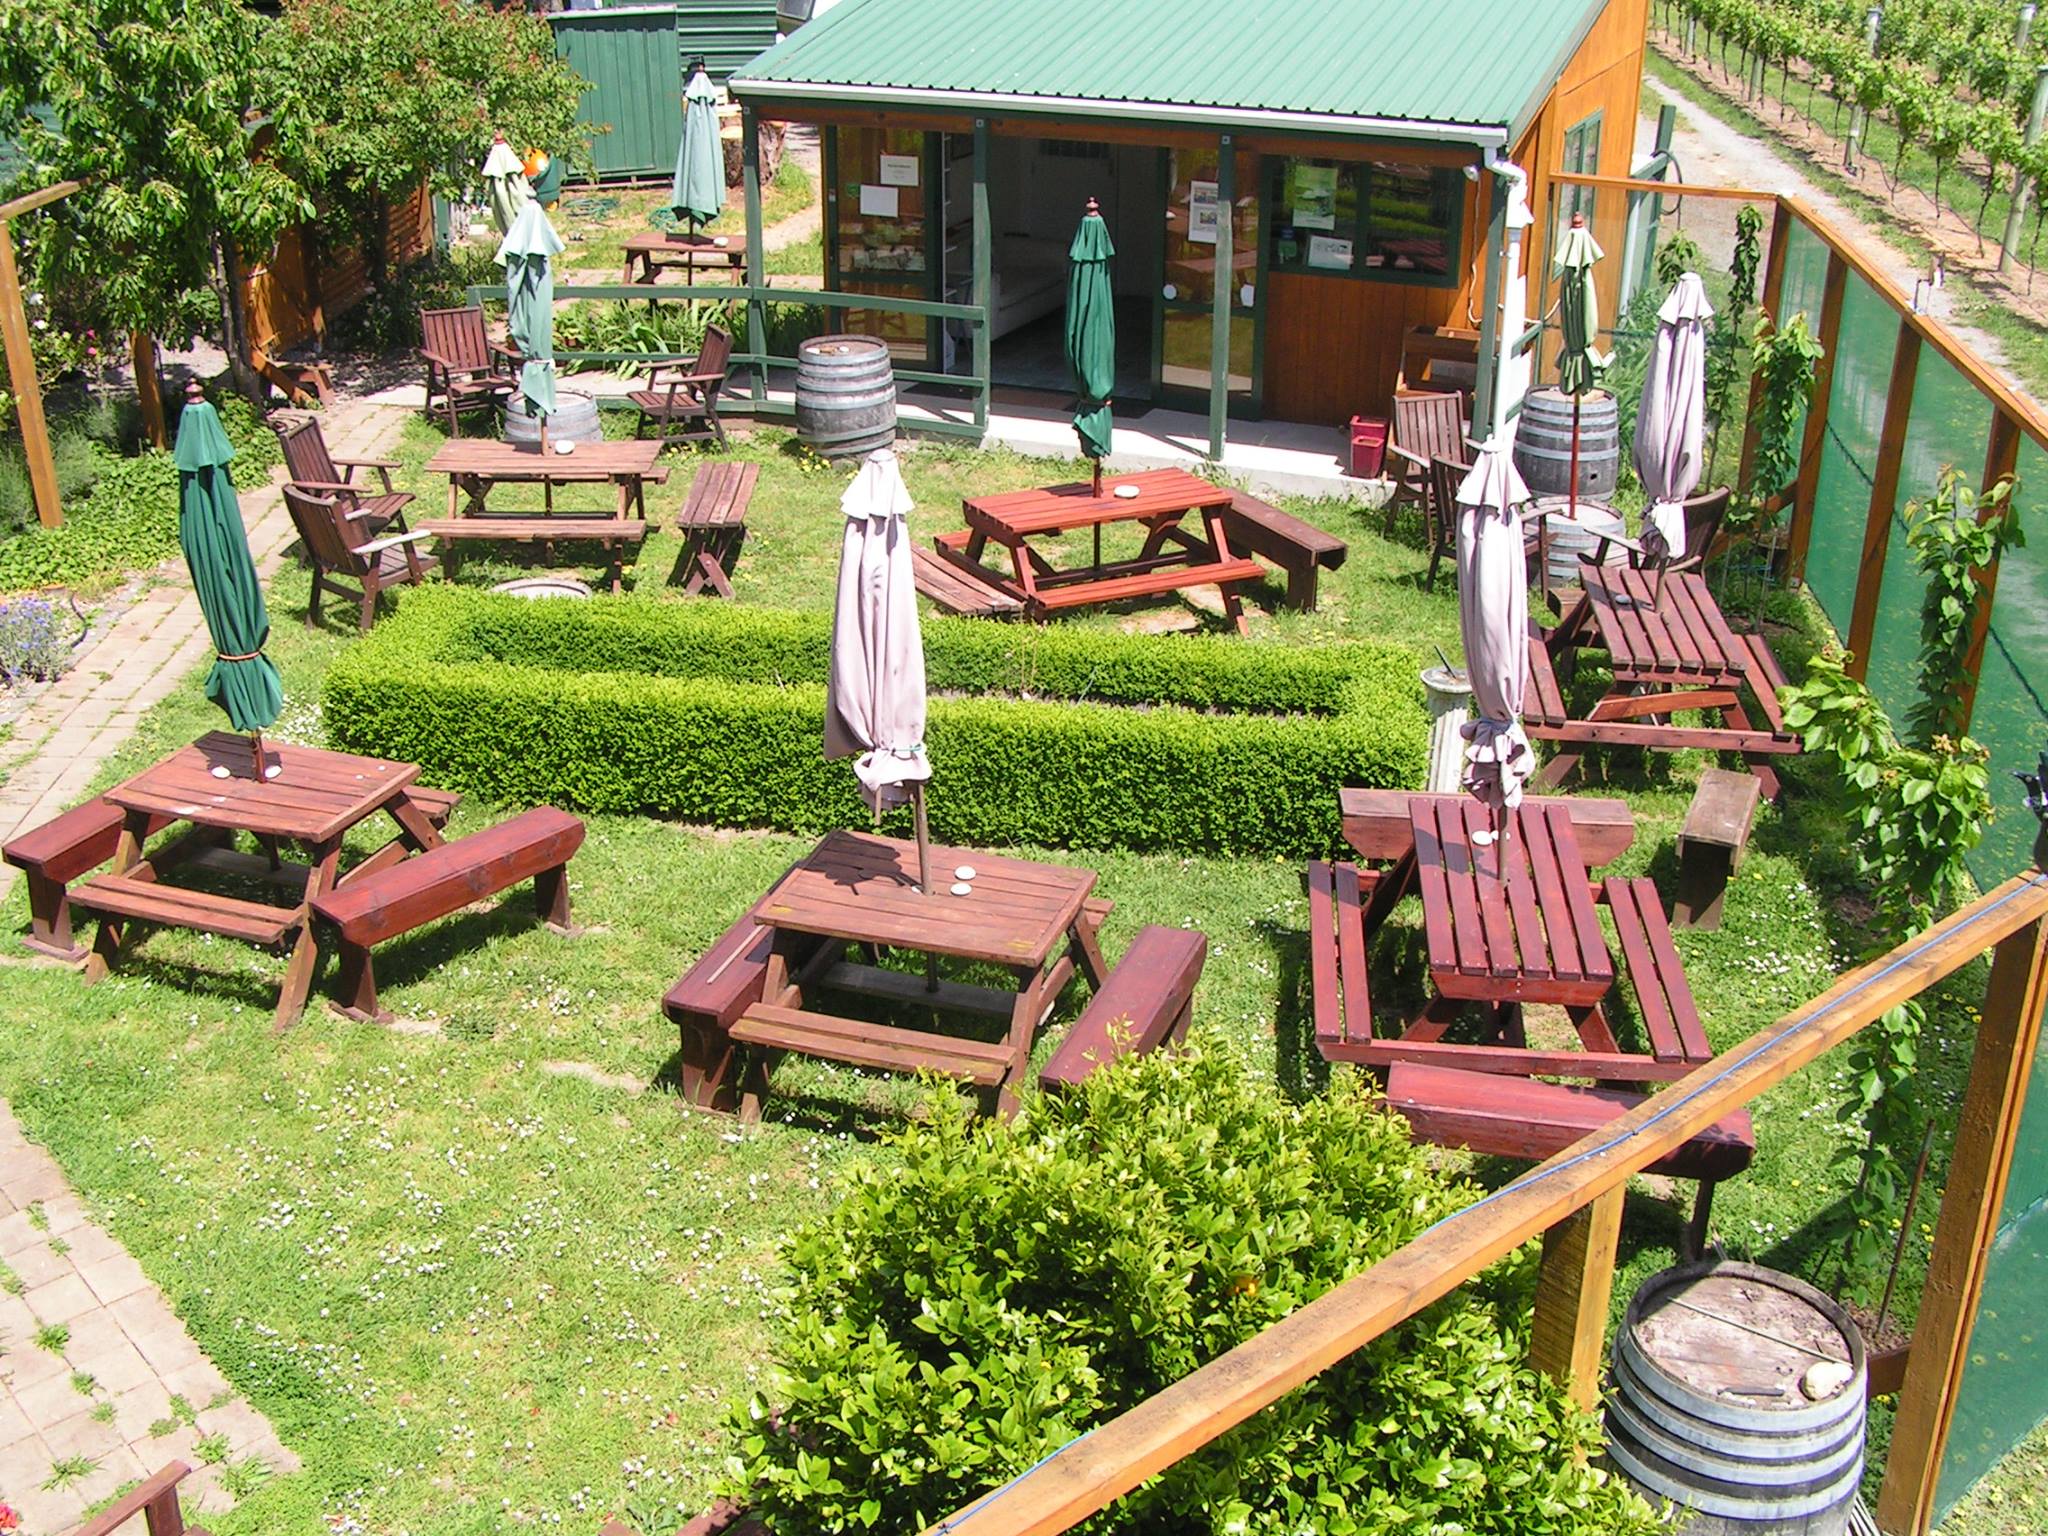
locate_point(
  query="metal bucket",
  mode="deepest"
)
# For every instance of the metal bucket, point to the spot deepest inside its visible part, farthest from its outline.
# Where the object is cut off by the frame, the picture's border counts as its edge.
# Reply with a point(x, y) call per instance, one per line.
point(845, 395)
point(574, 421)
point(1543, 443)
point(1738, 1394)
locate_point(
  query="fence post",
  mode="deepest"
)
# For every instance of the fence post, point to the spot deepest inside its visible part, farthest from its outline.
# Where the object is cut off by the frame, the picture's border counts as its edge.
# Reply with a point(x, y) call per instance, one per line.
point(1220, 295)
point(984, 257)
point(28, 394)
point(1990, 1123)
point(1828, 334)
point(1773, 297)
point(2016, 210)
point(1871, 24)
point(757, 312)
point(1573, 1290)
point(1884, 500)
point(2001, 458)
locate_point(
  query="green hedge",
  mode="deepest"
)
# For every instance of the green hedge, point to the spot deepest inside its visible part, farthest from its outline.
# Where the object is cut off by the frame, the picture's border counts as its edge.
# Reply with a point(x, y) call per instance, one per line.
point(714, 713)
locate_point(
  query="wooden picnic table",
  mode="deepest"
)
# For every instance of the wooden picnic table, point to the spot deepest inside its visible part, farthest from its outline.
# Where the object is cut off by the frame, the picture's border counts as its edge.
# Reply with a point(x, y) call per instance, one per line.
point(1671, 650)
point(654, 250)
point(1172, 558)
point(857, 892)
point(314, 801)
point(1497, 944)
point(474, 466)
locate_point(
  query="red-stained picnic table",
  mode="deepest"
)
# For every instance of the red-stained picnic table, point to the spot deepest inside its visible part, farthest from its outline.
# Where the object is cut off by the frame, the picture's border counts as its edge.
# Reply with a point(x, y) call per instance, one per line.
point(1173, 558)
point(1497, 944)
point(1671, 650)
point(857, 894)
point(315, 800)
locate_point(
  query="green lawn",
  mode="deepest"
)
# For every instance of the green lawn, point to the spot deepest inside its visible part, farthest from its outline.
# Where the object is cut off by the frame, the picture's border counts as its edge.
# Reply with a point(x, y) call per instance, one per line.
point(473, 1289)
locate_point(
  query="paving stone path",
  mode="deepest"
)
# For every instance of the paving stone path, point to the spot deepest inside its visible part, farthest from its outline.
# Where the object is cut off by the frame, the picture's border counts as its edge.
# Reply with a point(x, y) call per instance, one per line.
point(100, 1385)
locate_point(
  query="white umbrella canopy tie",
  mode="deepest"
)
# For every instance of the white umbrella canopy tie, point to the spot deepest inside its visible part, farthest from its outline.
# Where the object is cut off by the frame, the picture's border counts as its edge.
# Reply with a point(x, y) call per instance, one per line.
point(1493, 618)
point(1671, 418)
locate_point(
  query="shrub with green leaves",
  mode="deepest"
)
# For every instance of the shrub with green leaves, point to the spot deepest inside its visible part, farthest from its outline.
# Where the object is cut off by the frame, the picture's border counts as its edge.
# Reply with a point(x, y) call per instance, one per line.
point(1059, 736)
point(128, 523)
point(1007, 1285)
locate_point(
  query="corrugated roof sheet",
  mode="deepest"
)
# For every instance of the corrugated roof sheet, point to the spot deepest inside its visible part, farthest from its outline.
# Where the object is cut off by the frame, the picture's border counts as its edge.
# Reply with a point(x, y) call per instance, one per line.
point(1450, 61)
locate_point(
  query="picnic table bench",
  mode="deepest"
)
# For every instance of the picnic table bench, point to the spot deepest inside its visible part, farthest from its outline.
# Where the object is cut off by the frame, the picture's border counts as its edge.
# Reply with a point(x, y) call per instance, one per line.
point(1300, 549)
point(1670, 651)
point(713, 524)
point(1172, 559)
point(655, 250)
point(475, 466)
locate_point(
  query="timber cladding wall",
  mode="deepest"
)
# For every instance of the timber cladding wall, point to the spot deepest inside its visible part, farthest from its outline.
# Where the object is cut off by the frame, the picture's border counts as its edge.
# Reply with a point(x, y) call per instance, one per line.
point(287, 302)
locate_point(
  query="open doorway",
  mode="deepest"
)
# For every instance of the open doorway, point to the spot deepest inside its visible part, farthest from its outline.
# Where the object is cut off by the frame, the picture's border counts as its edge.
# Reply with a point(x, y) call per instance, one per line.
point(1038, 190)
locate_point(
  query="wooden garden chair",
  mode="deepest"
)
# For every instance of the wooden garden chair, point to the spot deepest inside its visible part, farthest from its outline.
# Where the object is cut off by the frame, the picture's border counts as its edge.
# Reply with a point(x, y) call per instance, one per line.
point(310, 467)
point(1703, 517)
point(681, 398)
point(1441, 516)
point(465, 368)
point(340, 554)
point(1426, 426)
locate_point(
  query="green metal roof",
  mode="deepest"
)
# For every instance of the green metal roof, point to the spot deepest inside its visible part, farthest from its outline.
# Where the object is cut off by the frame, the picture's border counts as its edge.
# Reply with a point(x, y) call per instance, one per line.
point(1365, 66)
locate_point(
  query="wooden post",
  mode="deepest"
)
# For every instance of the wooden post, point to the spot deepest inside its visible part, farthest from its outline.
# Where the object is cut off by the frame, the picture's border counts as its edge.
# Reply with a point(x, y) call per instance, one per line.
point(1220, 296)
point(1568, 1337)
point(149, 387)
point(1884, 500)
point(1830, 331)
point(1773, 297)
point(28, 394)
point(982, 291)
point(1990, 1124)
point(757, 312)
point(2001, 458)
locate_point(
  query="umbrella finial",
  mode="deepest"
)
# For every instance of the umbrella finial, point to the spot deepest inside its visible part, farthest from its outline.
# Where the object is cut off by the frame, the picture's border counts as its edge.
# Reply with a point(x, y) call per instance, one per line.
point(1578, 218)
point(1093, 210)
point(192, 391)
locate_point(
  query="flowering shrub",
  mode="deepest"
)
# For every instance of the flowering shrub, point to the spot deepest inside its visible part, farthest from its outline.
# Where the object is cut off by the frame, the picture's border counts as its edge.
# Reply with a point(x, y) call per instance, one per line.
point(36, 640)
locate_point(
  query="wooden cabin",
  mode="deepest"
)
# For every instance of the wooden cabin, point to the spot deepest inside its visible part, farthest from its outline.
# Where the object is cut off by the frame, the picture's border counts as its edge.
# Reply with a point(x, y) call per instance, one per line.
point(1352, 146)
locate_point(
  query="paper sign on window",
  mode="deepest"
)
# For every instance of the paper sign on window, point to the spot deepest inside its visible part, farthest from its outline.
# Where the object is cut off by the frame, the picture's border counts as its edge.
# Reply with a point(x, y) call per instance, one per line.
point(1333, 255)
point(1314, 197)
point(899, 170)
point(880, 202)
point(1204, 212)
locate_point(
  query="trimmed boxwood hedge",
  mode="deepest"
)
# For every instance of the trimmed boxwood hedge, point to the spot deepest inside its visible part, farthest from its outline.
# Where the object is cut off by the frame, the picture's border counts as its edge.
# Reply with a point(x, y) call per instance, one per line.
point(713, 713)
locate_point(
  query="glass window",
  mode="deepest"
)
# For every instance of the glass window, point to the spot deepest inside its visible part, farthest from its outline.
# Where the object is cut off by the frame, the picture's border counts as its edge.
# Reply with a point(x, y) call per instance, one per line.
point(879, 202)
point(1373, 219)
point(1581, 158)
point(1193, 218)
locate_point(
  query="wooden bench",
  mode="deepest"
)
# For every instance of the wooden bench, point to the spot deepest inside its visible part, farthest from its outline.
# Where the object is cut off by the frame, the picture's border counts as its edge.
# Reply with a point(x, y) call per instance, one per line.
point(955, 586)
point(1521, 1118)
point(1336, 955)
point(1147, 1002)
point(1664, 999)
point(713, 524)
point(535, 844)
point(1171, 578)
point(1300, 549)
point(705, 1003)
point(1711, 844)
point(614, 533)
point(57, 853)
point(155, 1499)
point(772, 1029)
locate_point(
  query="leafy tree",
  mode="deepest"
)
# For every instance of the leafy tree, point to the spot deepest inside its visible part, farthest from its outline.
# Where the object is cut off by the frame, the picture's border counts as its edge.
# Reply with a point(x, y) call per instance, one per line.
point(148, 102)
point(373, 96)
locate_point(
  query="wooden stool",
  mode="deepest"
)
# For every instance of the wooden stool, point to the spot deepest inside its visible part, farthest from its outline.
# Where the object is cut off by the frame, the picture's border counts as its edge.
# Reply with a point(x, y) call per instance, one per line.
point(1711, 843)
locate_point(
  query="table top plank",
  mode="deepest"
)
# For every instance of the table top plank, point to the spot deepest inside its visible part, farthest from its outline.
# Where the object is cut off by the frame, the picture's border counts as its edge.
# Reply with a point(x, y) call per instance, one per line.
point(1526, 912)
point(1660, 621)
point(1695, 651)
point(316, 796)
point(1469, 942)
point(1351, 954)
point(668, 243)
point(1560, 933)
point(611, 459)
point(1010, 517)
point(1578, 894)
point(1502, 956)
point(1683, 633)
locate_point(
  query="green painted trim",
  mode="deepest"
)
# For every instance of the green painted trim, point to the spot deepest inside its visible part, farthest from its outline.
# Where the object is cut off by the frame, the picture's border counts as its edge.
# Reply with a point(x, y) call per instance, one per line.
point(983, 289)
point(757, 312)
point(1222, 294)
point(827, 298)
point(1491, 293)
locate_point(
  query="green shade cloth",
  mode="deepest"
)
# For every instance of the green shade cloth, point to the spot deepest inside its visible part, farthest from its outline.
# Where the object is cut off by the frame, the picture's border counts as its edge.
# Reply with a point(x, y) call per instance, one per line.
point(697, 195)
point(1578, 312)
point(505, 185)
point(1091, 333)
point(216, 549)
point(528, 251)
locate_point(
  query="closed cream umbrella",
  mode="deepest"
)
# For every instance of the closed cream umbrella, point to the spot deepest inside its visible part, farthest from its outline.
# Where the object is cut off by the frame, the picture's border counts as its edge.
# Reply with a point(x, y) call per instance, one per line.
point(505, 184)
point(1671, 419)
point(1493, 617)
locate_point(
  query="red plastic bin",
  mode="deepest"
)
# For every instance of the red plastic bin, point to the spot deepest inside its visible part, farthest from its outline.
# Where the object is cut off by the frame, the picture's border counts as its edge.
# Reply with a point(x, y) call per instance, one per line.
point(1368, 446)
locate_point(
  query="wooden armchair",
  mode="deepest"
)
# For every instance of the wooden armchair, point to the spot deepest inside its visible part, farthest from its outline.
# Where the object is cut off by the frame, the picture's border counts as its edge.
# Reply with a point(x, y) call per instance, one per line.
point(156, 1500)
point(1703, 517)
point(310, 467)
point(1426, 426)
point(1445, 478)
point(339, 554)
point(681, 398)
point(465, 368)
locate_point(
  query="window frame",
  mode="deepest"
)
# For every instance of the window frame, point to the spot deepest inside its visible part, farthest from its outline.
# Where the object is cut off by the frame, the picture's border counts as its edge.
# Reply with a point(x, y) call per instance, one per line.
point(1274, 193)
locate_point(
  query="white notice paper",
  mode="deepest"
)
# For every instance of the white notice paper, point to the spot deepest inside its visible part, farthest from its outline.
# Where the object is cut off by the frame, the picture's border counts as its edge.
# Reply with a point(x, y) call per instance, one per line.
point(1325, 252)
point(899, 170)
point(880, 203)
point(1204, 212)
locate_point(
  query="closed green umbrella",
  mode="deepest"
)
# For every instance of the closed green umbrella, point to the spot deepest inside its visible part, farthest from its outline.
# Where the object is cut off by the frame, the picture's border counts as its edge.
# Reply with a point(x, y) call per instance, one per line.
point(504, 183)
point(528, 251)
point(243, 682)
point(697, 195)
point(1578, 318)
point(1091, 335)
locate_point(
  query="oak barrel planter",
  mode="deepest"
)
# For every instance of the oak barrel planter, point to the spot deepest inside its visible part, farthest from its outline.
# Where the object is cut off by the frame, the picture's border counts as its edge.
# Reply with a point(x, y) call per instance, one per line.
point(1543, 443)
point(845, 395)
point(574, 421)
point(1738, 1394)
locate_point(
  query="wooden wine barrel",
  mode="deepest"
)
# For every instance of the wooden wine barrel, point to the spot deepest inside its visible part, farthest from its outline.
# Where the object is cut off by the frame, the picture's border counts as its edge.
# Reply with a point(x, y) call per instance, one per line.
point(574, 421)
point(1573, 532)
point(1738, 1394)
point(1543, 443)
point(845, 395)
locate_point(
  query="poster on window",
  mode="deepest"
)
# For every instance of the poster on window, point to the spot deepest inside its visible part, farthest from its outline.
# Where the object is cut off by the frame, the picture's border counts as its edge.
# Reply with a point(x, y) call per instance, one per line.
point(1313, 194)
point(1204, 212)
point(899, 170)
point(1330, 255)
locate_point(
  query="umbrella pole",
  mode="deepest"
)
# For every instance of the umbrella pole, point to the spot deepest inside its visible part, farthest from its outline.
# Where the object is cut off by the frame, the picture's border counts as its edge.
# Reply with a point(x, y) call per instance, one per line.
point(1097, 491)
point(924, 875)
point(1572, 479)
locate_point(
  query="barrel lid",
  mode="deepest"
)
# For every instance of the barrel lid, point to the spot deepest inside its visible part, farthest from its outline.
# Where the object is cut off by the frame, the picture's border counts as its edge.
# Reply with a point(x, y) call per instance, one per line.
point(1740, 1335)
point(838, 346)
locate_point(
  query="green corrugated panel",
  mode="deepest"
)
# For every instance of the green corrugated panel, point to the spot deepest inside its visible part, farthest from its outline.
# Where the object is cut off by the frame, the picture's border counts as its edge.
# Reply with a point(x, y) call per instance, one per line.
point(728, 33)
point(1449, 61)
point(629, 56)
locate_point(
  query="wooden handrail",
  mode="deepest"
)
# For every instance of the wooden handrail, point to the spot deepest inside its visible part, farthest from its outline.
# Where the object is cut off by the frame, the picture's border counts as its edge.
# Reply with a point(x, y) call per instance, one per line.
point(1661, 188)
point(29, 202)
point(156, 1499)
point(1091, 1472)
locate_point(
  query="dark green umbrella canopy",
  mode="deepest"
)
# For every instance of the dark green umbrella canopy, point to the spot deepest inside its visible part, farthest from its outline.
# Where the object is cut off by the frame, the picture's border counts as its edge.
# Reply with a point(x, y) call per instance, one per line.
point(528, 252)
point(1091, 331)
point(1578, 310)
point(698, 192)
point(243, 682)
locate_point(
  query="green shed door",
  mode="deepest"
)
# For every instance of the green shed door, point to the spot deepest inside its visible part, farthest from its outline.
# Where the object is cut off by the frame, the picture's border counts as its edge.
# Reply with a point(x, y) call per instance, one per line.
point(728, 33)
point(630, 59)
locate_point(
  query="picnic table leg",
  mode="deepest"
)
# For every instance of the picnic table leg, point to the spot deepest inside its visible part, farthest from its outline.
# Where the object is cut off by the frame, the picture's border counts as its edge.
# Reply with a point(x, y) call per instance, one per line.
point(1233, 609)
point(1087, 949)
point(1034, 998)
point(298, 974)
point(106, 945)
point(1759, 763)
point(1595, 1033)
